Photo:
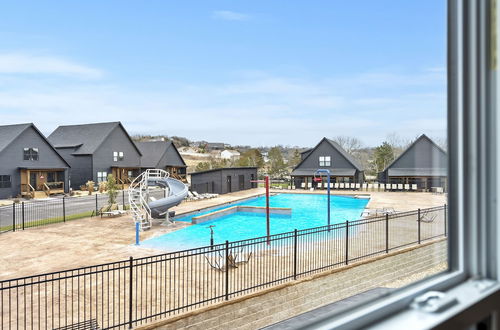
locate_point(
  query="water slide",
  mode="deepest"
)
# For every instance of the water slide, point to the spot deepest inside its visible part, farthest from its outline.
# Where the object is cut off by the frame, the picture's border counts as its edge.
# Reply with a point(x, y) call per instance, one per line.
point(176, 192)
point(143, 207)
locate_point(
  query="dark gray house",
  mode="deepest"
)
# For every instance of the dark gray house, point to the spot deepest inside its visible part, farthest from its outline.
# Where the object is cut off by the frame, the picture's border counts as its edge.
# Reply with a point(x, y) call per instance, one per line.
point(96, 150)
point(224, 180)
point(29, 165)
point(327, 154)
point(162, 155)
point(423, 163)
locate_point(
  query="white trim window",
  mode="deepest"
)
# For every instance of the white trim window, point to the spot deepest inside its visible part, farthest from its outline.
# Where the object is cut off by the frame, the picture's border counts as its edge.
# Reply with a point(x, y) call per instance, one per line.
point(102, 177)
point(325, 161)
point(117, 156)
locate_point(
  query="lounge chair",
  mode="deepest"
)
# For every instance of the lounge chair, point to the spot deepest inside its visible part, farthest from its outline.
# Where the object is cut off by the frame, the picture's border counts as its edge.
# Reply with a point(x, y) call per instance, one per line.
point(309, 185)
point(381, 187)
point(364, 186)
point(358, 186)
point(303, 185)
point(400, 186)
point(370, 187)
point(336, 185)
point(427, 216)
point(218, 262)
point(414, 186)
point(407, 187)
point(331, 185)
point(341, 185)
point(320, 185)
point(394, 186)
point(239, 258)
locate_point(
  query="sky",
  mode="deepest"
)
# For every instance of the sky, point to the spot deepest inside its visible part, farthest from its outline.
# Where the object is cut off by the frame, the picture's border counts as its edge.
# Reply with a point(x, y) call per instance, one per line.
point(253, 72)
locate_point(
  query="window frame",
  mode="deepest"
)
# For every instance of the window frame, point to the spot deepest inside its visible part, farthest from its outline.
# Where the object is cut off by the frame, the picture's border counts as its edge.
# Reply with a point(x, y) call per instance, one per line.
point(472, 171)
point(31, 154)
point(2, 182)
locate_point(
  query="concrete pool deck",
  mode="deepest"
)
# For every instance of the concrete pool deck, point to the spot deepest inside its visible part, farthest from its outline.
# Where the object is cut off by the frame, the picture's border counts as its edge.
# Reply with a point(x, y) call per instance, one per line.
point(98, 240)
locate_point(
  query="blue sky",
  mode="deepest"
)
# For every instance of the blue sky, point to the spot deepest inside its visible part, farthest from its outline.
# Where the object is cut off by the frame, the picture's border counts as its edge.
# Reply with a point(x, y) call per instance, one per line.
point(243, 72)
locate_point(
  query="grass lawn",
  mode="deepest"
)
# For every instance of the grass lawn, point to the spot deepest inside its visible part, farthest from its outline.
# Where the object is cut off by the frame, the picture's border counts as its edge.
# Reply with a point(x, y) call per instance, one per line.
point(48, 221)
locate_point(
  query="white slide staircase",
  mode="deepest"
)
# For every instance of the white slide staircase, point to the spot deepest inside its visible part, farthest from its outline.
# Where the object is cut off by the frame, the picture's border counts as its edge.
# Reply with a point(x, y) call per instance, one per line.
point(143, 207)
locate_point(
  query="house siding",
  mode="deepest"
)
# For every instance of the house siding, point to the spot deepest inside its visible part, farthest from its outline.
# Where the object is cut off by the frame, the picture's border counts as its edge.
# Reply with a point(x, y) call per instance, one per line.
point(117, 140)
point(81, 167)
point(216, 181)
point(11, 159)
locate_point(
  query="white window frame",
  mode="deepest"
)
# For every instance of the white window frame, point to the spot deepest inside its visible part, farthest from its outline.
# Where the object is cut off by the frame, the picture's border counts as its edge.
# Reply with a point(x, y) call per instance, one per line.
point(473, 164)
point(115, 156)
point(325, 161)
point(102, 177)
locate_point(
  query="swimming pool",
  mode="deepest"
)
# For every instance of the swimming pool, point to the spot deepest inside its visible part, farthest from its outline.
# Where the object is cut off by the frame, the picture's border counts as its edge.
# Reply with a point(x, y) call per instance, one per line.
point(308, 210)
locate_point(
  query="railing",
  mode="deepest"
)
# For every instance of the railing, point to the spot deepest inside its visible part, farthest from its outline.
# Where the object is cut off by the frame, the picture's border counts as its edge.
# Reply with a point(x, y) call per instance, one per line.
point(131, 292)
point(35, 213)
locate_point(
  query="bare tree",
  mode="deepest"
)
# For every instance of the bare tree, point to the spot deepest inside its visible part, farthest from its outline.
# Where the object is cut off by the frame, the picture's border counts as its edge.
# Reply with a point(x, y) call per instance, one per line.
point(349, 143)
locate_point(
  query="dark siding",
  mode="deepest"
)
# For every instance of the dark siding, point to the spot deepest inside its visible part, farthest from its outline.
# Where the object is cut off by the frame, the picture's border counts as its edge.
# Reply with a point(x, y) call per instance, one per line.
point(171, 158)
point(81, 167)
point(204, 182)
point(423, 154)
point(11, 159)
point(116, 141)
point(325, 149)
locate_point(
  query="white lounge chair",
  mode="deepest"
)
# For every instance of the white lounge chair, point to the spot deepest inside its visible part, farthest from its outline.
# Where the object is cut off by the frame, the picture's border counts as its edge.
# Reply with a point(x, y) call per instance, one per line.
point(336, 185)
point(407, 187)
point(331, 185)
point(394, 186)
point(358, 186)
point(381, 187)
point(320, 185)
point(414, 186)
point(365, 186)
point(400, 186)
point(341, 185)
point(353, 185)
point(309, 185)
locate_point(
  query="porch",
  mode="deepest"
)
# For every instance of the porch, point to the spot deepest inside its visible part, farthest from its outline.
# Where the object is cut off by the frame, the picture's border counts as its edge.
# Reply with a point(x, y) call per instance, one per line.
point(125, 175)
point(177, 172)
point(41, 183)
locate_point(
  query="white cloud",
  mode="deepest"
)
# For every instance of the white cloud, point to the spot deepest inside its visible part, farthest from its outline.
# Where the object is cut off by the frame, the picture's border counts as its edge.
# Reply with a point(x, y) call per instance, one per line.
point(228, 15)
point(257, 109)
point(17, 63)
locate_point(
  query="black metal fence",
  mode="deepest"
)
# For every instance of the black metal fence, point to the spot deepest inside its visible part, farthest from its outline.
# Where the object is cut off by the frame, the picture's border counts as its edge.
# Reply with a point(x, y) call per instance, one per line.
point(20, 216)
point(131, 292)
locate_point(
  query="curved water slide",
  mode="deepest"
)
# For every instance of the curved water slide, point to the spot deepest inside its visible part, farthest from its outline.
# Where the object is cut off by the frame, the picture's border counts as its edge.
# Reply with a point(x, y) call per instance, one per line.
point(144, 208)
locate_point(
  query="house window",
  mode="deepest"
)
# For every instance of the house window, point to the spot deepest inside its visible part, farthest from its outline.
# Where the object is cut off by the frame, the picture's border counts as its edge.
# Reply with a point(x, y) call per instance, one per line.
point(5, 181)
point(102, 176)
point(30, 153)
point(117, 156)
point(325, 161)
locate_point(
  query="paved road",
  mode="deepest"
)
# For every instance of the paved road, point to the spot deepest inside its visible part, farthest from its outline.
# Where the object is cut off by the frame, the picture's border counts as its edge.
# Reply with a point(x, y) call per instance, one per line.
point(54, 208)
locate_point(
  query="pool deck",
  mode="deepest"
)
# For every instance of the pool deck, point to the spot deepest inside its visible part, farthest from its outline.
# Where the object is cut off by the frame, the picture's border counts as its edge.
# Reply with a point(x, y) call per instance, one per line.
point(98, 240)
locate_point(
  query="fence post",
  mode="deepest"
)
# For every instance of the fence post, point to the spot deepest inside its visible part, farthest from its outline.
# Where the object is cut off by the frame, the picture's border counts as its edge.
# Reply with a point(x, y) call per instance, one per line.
point(22, 210)
point(387, 233)
point(96, 207)
point(131, 264)
point(123, 198)
point(295, 254)
point(418, 221)
point(346, 242)
point(64, 209)
point(13, 216)
point(445, 220)
point(227, 270)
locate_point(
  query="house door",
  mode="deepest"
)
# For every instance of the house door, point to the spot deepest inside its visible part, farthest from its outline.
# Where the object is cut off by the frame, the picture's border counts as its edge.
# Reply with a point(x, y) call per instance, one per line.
point(33, 176)
point(241, 182)
point(228, 181)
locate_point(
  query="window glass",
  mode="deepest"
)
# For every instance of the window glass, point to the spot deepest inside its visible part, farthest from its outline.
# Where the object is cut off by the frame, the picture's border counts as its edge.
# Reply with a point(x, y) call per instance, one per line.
point(5, 181)
point(30, 153)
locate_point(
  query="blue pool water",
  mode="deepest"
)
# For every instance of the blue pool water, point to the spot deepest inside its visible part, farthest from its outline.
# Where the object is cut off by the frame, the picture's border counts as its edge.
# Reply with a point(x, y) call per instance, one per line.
point(308, 211)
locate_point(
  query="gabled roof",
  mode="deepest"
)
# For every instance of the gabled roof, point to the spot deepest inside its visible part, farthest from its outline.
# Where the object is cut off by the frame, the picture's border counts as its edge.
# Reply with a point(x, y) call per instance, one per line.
point(153, 151)
point(337, 147)
point(234, 152)
point(414, 171)
point(87, 138)
point(9, 133)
